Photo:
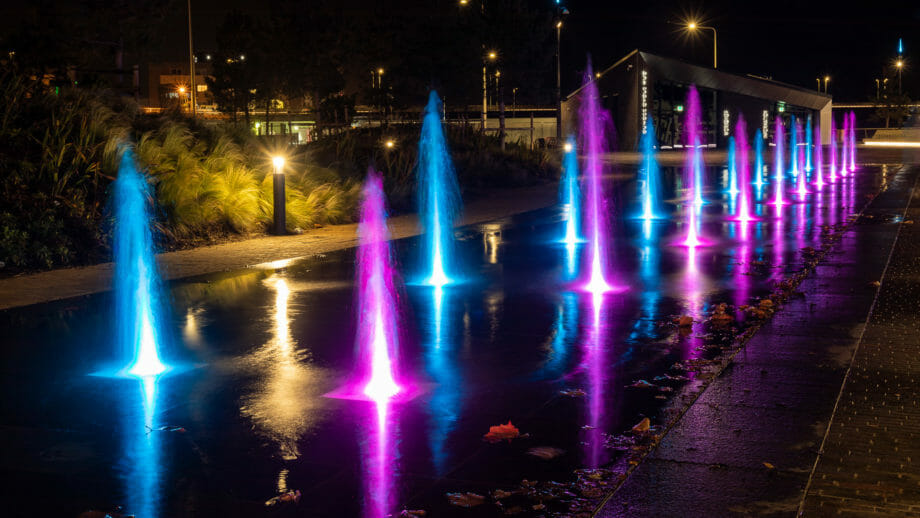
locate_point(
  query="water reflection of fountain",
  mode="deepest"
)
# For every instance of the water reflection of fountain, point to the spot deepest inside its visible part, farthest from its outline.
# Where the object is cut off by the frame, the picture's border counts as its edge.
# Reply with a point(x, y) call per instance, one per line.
point(445, 400)
point(380, 461)
point(595, 358)
point(141, 463)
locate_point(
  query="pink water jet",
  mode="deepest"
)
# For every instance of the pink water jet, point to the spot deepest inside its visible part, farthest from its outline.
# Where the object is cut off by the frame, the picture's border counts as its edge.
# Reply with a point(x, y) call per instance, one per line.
point(819, 159)
point(852, 141)
point(743, 213)
point(693, 170)
point(844, 145)
point(832, 172)
point(778, 165)
point(594, 122)
point(377, 337)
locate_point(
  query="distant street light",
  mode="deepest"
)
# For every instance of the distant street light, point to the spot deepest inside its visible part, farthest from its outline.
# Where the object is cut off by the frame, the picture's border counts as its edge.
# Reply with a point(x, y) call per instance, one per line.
point(900, 65)
point(827, 79)
point(491, 56)
point(818, 79)
point(561, 12)
point(280, 226)
point(692, 26)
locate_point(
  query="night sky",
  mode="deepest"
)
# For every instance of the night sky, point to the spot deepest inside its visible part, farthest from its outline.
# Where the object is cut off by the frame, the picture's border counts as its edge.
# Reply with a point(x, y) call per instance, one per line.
point(791, 41)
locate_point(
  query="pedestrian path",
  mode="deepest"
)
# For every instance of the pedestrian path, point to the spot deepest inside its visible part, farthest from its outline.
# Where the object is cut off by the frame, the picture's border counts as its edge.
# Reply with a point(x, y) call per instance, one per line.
point(748, 444)
point(870, 461)
point(73, 282)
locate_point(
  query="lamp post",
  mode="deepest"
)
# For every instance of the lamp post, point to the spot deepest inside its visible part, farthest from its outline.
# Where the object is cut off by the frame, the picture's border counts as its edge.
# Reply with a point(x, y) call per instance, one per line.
point(491, 56)
point(827, 79)
point(818, 79)
point(715, 42)
point(191, 61)
point(280, 226)
point(900, 64)
point(561, 12)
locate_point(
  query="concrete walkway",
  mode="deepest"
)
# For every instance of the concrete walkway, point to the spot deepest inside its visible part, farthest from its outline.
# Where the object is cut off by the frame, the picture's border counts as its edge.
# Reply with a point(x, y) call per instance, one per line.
point(870, 461)
point(748, 445)
point(73, 282)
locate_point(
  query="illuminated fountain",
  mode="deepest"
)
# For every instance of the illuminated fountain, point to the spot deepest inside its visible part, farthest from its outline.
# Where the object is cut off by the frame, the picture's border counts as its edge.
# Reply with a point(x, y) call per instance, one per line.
point(832, 172)
point(798, 159)
point(758, 158)
point(651, 190)
point(852, 141)
point(137, 284)
point(732, 168)
point(778, 167)
point(794, 146)
point(439, 197)
point(819, 159)
point(377, 337)
point(809, 145)
point(570, 194)
point(844, 147)
point(743, 208)
point(693, 165)
point(593, 124)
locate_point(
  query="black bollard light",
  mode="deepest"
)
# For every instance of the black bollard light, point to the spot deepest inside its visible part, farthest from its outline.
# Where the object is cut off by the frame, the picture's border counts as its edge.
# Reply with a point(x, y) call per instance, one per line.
point(279, 225)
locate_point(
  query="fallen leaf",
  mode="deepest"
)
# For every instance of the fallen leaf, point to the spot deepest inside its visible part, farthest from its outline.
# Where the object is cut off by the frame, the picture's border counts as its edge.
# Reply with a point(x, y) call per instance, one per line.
point(465, 499)
point(642, 426)
point(769, 466)
point(498, 494)
point(291, 497)
point(685, 321)
point(545, 452)
point(502, 432)
point(643, 384)
point(573, 393)
point(410, 513)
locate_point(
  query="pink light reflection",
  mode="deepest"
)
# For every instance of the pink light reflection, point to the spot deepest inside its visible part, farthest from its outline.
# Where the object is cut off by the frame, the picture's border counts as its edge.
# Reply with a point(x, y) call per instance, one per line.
point(595, 363)
point(380, 465)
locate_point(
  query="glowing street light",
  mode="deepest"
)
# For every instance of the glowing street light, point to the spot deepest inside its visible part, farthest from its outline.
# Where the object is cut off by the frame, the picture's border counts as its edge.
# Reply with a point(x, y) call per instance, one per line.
point(693, 26)
point(389, 144)
point(278, 196)
point(491, 56)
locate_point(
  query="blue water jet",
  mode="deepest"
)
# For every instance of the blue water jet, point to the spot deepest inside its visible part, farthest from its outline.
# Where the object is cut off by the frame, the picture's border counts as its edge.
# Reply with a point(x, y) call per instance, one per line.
point(650, 175)
point(137, 282)
point(732, 168)
point(758, 158)
point(570, 194)
point(438, 197)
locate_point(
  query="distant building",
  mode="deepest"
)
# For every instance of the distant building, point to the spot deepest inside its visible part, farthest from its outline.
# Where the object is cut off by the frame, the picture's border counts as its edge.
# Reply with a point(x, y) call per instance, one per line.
point(168, 84)
point(642, 85)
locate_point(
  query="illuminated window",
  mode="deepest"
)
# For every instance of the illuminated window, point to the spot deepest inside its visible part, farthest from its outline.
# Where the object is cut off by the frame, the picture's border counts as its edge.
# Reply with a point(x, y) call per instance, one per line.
point(202, 88)
point(644, 101)
point(726, 123)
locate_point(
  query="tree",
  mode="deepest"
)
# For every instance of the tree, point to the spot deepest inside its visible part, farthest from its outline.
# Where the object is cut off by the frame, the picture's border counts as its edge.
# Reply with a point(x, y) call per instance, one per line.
point(234, 83)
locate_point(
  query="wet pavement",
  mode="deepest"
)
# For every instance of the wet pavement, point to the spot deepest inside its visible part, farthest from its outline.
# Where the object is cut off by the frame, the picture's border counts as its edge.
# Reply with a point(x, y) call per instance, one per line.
point(748, 444)
point(871, 450)
point(247, 417)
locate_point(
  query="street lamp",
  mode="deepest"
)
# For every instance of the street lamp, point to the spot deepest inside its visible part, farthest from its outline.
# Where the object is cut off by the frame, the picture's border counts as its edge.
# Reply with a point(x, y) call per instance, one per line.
point(827, 79)
point(278, 196)
point(491, 56)
point(818, 79)
point(900, 64)
point(692, 26)
point(561, 12)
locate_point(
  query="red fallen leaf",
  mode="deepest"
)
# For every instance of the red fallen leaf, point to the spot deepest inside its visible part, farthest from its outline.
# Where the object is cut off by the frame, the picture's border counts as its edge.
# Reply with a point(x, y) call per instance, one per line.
point(502, 432)
point(685, 321)
point(465, 499)
point(291, 497)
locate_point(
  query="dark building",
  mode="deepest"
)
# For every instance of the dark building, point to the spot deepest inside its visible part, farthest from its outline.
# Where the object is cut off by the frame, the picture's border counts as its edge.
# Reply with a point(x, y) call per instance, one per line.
point(642, 85)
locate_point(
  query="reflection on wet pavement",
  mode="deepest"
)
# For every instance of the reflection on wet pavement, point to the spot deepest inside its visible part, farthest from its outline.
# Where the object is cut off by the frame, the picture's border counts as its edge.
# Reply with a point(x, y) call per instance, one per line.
point(270, 342)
